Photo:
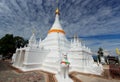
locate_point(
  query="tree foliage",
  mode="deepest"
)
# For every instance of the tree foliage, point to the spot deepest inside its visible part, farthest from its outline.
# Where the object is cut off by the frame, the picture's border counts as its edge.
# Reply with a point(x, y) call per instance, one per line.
point(9, 43)
point(19, 42)
point(100, 54)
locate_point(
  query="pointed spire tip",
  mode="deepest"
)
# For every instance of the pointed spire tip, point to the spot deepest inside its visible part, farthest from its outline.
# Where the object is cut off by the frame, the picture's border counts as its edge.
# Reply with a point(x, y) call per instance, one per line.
point(57, 11)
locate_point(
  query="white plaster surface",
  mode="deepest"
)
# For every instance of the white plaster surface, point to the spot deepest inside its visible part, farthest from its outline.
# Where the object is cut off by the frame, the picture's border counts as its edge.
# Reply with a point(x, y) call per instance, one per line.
point(47, 54)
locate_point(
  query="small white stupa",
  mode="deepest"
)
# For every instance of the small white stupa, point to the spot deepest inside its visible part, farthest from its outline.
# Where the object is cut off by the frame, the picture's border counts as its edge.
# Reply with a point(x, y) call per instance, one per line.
point(48, 54)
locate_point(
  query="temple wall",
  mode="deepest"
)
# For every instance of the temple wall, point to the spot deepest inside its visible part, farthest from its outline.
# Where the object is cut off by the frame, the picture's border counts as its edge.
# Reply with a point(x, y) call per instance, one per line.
point(36, 56)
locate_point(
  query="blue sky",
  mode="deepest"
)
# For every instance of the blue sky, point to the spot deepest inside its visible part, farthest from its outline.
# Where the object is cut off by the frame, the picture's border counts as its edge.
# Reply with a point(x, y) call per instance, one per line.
point(96, 22)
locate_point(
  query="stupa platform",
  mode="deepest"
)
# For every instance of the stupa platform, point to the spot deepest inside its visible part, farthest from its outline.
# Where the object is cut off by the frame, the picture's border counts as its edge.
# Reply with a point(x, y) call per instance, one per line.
point(8, 73)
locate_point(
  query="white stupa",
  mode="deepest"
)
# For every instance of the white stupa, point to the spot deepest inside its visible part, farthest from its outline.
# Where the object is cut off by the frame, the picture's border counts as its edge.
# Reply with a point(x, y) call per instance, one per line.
point(48, 53)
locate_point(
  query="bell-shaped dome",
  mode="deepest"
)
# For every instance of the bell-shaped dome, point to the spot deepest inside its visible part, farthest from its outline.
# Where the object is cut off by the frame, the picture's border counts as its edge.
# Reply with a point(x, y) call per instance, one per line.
point(56, 27)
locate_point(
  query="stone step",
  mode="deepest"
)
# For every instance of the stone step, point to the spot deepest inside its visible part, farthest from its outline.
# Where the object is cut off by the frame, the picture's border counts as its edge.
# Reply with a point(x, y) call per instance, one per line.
point(50, 65)
point(95, 70)
point(84, 71)
point(77, 66)
point(49, 70)
point(77, 69)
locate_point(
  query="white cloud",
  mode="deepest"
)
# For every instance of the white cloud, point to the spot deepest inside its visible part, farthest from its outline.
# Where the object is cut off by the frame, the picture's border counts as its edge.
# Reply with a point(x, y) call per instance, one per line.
point(81, 17)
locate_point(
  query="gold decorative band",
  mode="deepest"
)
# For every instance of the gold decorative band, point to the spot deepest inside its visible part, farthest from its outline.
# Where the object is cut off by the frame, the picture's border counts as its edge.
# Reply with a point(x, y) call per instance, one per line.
point(56, 30)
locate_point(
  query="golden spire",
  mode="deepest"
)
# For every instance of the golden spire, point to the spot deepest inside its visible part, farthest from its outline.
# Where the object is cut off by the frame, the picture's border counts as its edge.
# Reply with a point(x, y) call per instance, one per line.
point(57, 11)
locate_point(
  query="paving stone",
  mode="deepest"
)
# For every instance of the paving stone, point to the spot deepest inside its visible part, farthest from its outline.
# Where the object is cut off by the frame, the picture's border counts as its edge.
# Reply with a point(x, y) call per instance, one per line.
point(8, 74)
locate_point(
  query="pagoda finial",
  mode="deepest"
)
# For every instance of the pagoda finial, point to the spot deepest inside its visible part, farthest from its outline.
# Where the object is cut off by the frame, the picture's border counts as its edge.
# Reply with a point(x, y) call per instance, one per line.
point(57, 11)
point(75, 36)
point(33, 31)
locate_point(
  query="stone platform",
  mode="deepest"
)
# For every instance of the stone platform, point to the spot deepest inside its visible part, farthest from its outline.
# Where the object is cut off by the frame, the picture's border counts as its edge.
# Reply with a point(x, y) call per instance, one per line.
point(10, 74)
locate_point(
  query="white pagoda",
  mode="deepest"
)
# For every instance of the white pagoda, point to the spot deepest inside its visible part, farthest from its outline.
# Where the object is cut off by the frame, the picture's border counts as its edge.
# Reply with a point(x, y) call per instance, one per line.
point(47, 54)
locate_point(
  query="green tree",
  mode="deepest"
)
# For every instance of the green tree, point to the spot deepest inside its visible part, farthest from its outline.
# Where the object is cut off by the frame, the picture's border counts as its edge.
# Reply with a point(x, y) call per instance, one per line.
point(9, 43)
point(100, 54)
point(19, 42)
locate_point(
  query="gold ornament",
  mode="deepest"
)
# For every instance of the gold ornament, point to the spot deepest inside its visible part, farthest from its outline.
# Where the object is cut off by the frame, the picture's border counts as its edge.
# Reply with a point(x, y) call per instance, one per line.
point(117, 51)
